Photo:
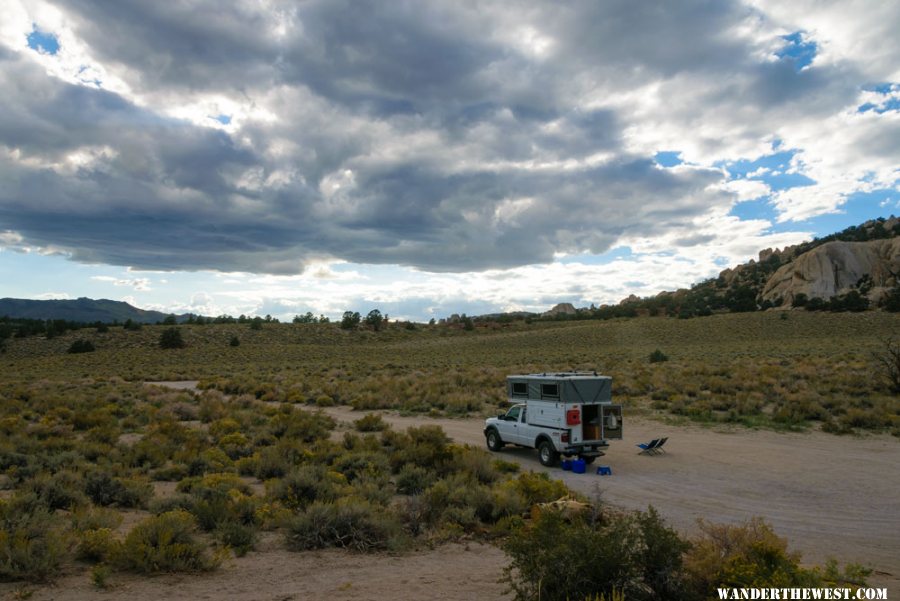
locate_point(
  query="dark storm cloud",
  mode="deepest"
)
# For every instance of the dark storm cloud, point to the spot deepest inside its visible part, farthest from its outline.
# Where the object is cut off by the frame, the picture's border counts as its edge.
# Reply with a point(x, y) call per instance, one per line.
point(448, 136)
point(452, 223)
point(201, 44)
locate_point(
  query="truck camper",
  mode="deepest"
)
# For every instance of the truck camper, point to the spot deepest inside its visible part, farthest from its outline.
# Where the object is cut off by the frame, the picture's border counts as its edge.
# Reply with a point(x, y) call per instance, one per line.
point(567, 413)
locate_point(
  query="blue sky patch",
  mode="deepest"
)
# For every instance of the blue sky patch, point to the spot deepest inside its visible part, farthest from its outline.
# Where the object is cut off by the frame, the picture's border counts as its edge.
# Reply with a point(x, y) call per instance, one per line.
point(785, 181)
point(754, 209)
point(668, 158)
point(880, 88)
point(43, 42)
point(889, 103)
point(892, 104)
point(770, 169)
point(223, 119)
point(619, 252)
point(858, 208)
point(799, 49)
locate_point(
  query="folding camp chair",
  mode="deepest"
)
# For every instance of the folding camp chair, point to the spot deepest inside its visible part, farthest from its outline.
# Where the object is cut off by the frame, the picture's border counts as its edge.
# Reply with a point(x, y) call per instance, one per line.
point(659, 448)
point(648, 447)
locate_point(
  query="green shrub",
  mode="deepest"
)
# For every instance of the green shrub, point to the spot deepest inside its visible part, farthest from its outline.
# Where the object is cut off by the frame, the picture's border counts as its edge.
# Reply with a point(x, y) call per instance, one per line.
point(349, 523)
point(506, 467)
point(166, 504)
point(31, 545)
point(170, 473)
point(354, 464)
point(171, 338)
point(247, 466)
point(658, 356)
point(100, 574)
point(240, 537)
point(323, 400)
point(95, 518)
point(852, 574)
point(272, 463)
point(425, 446)
point(537, 487)
point(745, 555)
point(211, 511)
point(301, 426)
point(305, 485)
point(59, 491)
point(451, 499)
point(97, 545)
point(372, 422)
point(166, 543)
point(213, 460)
point(221, 427)
point(81, 346)
point(213, 486)
point(106, 490)
point(412, 480)
point(235, 445)
point(475, 462)
point(559, 557)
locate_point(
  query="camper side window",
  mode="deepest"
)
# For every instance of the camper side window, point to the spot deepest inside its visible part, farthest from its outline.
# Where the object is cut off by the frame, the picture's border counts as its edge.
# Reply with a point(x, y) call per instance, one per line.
point(549, 391)
point(520, 389)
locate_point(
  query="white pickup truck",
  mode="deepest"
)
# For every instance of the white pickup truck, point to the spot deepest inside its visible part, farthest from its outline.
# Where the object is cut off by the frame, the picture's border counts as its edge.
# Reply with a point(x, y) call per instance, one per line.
point(569, 414)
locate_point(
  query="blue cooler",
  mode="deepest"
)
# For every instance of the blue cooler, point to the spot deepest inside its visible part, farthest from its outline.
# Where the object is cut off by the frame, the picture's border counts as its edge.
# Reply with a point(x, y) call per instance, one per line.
point(567, 464)
point(578, 466)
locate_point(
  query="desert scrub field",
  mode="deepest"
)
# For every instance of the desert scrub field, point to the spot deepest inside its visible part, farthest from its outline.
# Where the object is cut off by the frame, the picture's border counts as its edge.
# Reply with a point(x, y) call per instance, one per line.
point(102, 477)
point(75, 458)
point(768, 369)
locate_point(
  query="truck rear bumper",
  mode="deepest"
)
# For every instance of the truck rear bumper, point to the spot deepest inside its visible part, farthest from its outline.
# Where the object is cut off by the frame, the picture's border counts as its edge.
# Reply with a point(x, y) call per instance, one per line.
point(587, 450)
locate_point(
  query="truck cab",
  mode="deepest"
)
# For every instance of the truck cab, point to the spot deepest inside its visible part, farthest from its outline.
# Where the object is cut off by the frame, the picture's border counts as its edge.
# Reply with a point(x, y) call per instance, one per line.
point(512, 424)
point(568, 413)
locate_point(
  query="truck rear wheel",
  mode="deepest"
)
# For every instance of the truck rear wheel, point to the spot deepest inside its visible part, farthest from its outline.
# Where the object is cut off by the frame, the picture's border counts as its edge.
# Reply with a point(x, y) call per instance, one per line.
point(547, 454)
point(494, 442)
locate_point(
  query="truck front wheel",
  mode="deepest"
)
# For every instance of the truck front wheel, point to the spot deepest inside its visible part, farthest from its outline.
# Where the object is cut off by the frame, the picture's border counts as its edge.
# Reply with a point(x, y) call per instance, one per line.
point(494, 442)
point(547, 454)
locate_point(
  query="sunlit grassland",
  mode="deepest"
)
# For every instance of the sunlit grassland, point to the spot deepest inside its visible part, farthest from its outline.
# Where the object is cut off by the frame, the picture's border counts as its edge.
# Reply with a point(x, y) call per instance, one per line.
point(757, 368)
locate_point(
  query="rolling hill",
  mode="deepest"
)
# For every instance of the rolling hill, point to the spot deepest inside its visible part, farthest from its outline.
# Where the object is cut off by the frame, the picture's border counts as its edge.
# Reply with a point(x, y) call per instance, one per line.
point(83, 310)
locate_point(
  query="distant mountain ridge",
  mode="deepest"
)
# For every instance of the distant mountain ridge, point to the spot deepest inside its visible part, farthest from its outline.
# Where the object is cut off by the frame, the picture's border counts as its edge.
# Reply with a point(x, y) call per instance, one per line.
point(85, 310)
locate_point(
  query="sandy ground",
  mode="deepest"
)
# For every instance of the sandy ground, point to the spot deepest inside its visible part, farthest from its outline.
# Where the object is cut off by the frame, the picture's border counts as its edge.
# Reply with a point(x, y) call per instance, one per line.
point(454, 572)
point(830, 496)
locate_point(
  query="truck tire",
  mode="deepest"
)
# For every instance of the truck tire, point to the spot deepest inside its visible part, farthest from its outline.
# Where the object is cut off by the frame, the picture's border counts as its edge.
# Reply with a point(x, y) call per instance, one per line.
point(547, 454)
point(494, 442)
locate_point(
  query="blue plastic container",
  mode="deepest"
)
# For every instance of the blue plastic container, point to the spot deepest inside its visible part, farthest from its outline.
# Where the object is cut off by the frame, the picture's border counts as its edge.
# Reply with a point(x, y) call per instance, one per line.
point(567, 464)
point(578, 466)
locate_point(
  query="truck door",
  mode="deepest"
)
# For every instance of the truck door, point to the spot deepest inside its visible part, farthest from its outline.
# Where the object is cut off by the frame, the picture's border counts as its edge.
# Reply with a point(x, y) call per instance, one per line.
point(611, 422)
point(514, 422)
point(524, 430)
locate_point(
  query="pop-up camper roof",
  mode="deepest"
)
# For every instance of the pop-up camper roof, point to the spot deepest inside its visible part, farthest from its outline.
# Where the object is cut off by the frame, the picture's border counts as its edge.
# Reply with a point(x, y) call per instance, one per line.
point(562, 387)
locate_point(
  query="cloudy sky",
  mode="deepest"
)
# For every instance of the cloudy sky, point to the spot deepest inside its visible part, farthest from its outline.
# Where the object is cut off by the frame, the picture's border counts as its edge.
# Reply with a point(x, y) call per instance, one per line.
point(429, 158)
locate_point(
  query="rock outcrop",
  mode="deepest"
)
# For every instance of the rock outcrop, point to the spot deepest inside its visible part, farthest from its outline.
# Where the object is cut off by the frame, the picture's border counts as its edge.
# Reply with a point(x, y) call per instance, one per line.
point(561, 309)
point(835, 268)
